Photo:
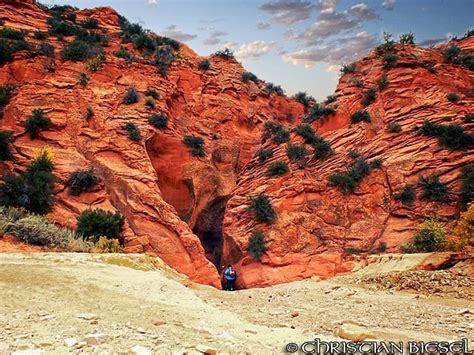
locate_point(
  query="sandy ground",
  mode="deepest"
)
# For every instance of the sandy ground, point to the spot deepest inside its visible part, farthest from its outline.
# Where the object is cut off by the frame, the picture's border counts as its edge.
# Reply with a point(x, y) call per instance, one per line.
point(46, 298)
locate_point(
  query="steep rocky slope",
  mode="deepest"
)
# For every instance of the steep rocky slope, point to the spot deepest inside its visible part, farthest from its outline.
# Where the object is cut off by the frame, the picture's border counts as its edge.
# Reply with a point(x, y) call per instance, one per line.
point(178, 205)
point(317, 224)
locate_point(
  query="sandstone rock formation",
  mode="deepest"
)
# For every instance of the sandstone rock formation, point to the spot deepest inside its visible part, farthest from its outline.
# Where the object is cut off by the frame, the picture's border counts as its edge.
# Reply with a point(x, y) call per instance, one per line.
point(192, 211)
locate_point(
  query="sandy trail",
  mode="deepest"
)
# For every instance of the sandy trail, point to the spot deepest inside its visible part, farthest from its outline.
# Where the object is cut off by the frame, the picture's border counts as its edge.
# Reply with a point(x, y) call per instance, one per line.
point(44, 295)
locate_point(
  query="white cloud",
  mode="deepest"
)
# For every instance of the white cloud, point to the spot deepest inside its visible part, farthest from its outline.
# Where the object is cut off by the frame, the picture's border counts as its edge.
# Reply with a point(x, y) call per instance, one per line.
point(254, 50)
point(343, 50)
point(152, 2)
point(173, 32)
point(215, 37)
point(263, 25)
point(388, 4)
point(288, 11)
point(230, 44)
point(333, 68)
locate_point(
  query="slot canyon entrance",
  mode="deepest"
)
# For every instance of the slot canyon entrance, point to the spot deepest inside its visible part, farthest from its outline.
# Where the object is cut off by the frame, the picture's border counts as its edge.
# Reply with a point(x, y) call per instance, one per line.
point(203, 213)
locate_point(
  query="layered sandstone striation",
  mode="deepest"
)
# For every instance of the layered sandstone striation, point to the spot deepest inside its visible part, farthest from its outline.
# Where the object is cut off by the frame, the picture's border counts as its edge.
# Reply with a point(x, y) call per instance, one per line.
point(193, 211)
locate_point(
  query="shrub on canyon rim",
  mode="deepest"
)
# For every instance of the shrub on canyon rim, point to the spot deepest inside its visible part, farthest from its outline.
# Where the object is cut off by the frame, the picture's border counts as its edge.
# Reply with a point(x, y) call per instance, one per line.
point(451, 136)
point(131, 96)
point(263, 154)
point(318, 112)
point(37, 122)
point(204, 65)
point(248, 76)
point(360, 116)
point(262, 209)
point(304, 98)
point(278, 168)
point(82, 181)
point(133, 131)
point(407, 195)
point(430, 237)
point(159, 120)
point(433, 189)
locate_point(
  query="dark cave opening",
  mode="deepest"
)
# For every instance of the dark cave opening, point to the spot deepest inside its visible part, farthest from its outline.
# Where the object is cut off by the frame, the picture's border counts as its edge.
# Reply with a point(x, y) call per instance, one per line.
point(208, 228)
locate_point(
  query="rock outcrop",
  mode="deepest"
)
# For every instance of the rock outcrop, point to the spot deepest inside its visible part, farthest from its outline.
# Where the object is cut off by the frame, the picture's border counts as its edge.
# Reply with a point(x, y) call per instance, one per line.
point(193, 211)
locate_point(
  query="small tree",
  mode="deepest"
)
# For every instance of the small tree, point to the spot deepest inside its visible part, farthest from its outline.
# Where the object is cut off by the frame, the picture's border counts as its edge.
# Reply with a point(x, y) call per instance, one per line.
point(6, 138)
point(263, 154)
point(322, 149)
point(297, 153)
point(226, 53)
point(430, 237)
point(37, 122)
point(6, 93)
point(248, 76)
point(360, 116)
point(304, 98)
point(330, 99)
point(453, 97)
point(318, 112)
point(196, 145)
point(467, 185)
point(389, 60)
point(204, 65)
point(407, 195)
point(394, 127)
point(262, 209)
point(278, 168)
point(133, 131)
point(464, 230)
point(92, 224)
point(348, 68)
point(159, 120)
point(407, 38)
point(370, 96)
point(257, 245)
point(82, 181)
point(131, 96)
point(383, 82)
point(433, 189)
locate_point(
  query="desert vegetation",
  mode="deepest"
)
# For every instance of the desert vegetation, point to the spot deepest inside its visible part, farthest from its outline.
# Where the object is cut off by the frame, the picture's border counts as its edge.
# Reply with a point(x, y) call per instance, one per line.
point(257, 245)
point(262, 209)
point(195, 145)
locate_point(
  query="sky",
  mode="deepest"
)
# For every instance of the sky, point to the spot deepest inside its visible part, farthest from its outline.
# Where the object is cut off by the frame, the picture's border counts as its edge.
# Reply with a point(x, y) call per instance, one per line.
point(298, 44)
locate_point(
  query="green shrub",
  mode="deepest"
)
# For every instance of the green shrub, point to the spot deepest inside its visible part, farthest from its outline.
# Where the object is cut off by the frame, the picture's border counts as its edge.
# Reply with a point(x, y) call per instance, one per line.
point(453, 97)
point(264, 154)
point(6, 138)
point(6, 93)
point(92, 224)
point(307, 133)
point(304, 98)
point(394, 127)
point(383, 82)
point(6, 53)
point(226, 53)
point(407, 195)
point(133, 131)
point(37, 122)
point(360, 116)
point(257, 245)
point(152, 93)
point(164, 56)
point(388, 43)
point(433, 189)
point(272, 88)
point(430, 237)
point(90, 23)
point(124, 54)
point(467, 183)
point(196, 145)
point(432, 69)
point(357, 82)
point(82, 181)
point(318, 112)
point(297, 154)
point(83, 79)
point(451, 54)
point(96, 62)
point(144, 42)
point(468, 117)
point(452, 135)
point(348, 181)
point(32, 189)
point(322, 149)
point(348, 68)
point(248, 76)
point(204, 64)
point(149, 102)
point(131, 96)
point(46, 49)
point(89, 113)
point(262, 209)
point(78, 51)
point(389, 60)
point(276, 131)
point(159, 120)
point(370, 96)
point(59, 26)
point(11, 33)
point(407, 38)
point(71, 17)
point(330, 99)
point(40, 35)
point(278, 168)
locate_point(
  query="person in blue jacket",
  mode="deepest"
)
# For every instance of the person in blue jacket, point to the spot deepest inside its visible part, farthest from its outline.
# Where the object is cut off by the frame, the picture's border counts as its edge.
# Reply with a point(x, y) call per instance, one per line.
point(230, 276)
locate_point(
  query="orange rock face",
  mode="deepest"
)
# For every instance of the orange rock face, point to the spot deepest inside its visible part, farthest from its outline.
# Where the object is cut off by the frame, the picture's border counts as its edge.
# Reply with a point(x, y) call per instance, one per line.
point(193, 211)
point(317, 224)
point(171, 200)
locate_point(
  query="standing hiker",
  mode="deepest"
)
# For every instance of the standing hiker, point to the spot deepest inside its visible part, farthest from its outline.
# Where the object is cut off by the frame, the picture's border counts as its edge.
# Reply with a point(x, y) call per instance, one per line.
point(230, 276)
